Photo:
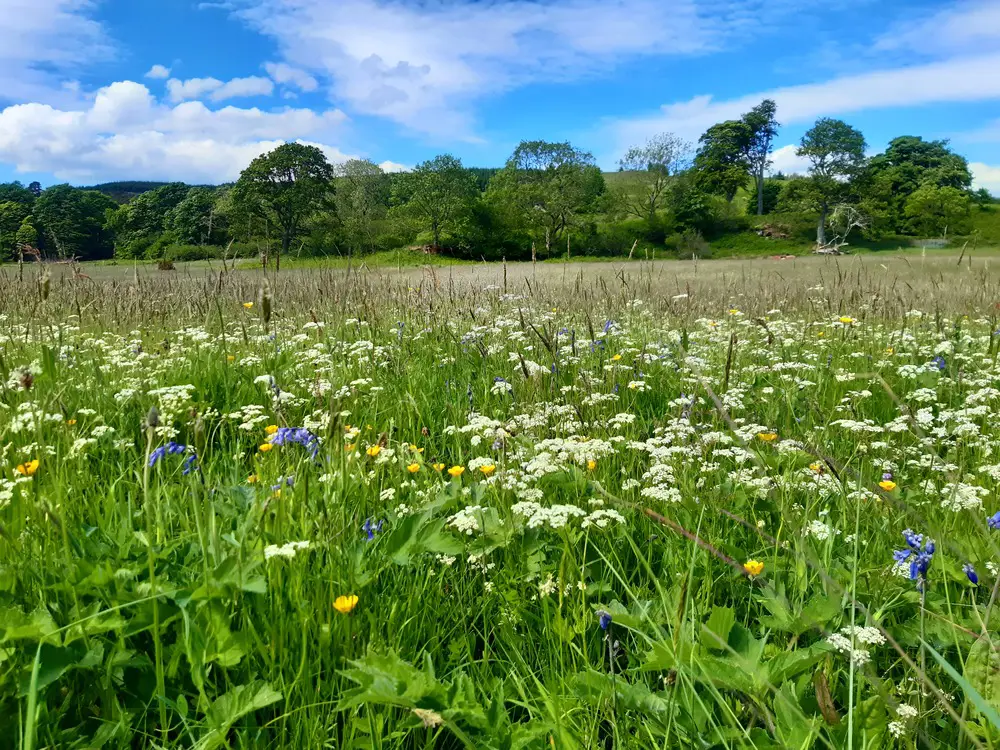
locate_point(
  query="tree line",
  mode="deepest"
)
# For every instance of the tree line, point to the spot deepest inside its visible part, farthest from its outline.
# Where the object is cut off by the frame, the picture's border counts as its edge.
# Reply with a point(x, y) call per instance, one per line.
point(547, 199)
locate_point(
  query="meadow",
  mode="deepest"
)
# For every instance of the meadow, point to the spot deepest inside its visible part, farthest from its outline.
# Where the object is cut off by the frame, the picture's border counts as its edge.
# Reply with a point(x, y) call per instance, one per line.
point(728, 504)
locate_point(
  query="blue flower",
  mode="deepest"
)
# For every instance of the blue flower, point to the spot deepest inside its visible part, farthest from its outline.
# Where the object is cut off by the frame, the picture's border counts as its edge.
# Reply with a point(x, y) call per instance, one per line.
point(940, 362)
point(163, 450)
point(189, 464)
point(283, 482)
point(604, 619)
point(971, 573)
point(919, 554)
point(994, 521)
point(371, 529)
point(299, 435)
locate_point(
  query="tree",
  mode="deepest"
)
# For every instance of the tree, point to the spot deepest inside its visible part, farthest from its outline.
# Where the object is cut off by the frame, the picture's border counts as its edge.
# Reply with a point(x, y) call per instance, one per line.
point(908, 163)
point(836, 152)
point(138, 223)
point(438, 194)
point(16, 192)
point(934, 210)
point(362, 201)
point(721, 163)
point(548, 185)
point(12, 215)
point(285, 187)
point(35, 188)
point(73, 222)
point(761, 127)
point(194, 220)
point(983, 198)
point(653, 165)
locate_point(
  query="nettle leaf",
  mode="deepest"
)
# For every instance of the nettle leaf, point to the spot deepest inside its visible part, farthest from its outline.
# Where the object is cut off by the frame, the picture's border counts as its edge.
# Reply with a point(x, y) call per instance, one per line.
point(387, 679)
point(55, 661)
point(15, 625)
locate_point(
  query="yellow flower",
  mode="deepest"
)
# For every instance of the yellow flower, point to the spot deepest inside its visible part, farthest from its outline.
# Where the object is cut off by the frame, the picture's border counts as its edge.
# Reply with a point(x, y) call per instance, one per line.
point(456, 471)
point(276, 493)
point(753, 567)
point(264, 447)
point(488, 469)
point(344, 604)
point(768, 437)
point(846, 320)
point(821, 334)
point(591, 465)
point(271, 429)
point(413, 468)
point(374, 450)
point(230, 358)
point(438, 467)
point(350, 446)
point(415, 449)
point(615, 357)
point(28, 469)
point(248, 305)
point(252, 479)
point(887, 484)
point(890, 350)
point(71, 422)
point(817, 468)
point(734, 311)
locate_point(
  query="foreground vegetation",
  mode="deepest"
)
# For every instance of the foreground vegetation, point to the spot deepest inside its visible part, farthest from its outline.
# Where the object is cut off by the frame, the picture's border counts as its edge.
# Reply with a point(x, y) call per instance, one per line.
point(668, 199)
point(618, 509)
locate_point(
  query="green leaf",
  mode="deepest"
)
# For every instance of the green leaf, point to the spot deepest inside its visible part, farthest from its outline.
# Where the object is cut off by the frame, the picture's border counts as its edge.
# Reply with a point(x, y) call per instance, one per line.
point(227, 709)
point(796, 730)
point(55, 661)
point(716, 630)
point(982, 668)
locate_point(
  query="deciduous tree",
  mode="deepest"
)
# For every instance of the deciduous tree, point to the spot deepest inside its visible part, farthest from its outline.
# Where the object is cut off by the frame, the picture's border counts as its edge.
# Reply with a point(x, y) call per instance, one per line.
point(437, 194)
point(652, 166)
point(836, 152)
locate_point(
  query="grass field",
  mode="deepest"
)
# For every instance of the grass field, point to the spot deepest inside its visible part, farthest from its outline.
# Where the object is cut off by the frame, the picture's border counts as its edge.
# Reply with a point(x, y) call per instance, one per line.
point(728, 504)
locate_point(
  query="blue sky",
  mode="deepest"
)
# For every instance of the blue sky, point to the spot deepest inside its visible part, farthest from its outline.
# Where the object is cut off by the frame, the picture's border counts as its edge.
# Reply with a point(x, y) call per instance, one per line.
point(96, 90)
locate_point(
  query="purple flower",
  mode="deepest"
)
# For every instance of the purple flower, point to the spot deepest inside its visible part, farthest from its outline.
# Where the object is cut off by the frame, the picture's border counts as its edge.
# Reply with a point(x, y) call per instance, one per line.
point(887, 477)
point(163, 450)
point(940, 362)
point(971, 573)
point(919, 554)
point(371, 529)
point(283, 482)
point(994, 521)
point(299, 435)
point(604, 619)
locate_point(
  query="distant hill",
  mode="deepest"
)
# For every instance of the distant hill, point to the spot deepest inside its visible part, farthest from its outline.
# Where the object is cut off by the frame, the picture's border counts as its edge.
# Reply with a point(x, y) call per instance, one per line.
point(126, 190)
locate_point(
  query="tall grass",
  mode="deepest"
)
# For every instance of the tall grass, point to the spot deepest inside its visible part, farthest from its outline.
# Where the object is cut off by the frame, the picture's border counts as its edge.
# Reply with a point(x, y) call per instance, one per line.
point(586, 507)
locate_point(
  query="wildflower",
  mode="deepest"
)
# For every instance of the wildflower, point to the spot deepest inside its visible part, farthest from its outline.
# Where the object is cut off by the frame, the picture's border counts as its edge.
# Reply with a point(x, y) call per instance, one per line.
point(971, 573)
point(994, 521)
point(371, 529)
point(27, 469)
point(163, 450)
point(615, 357)
point(430, 719)
point(767, 437)
point(456, 471)
point(918, 552)
point(415, 449)
point(248, 305)
point(253, 479)
point(887, 484)
point(299, 435)
point(344, 604)
point(753, 567)
point(271, 429)
point(264, 447)
point(230, 358)
point(440, 467)
point(604, 619)
point(373, 450)
point(71, 422)
point(413, 468)
point(591, 464)
point(940, 362)
point(817, 468)
point(350, 447)
point(846, 320)
point(488, 469)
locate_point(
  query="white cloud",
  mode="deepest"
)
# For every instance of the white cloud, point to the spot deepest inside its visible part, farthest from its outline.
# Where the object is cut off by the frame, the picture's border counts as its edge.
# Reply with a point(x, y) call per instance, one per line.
point(125, 133)
point(786, 161)
point(962, 27)
point(985, 176)
point(43, 41)
point(158, 71)
point(285, 73)
point(422, 64)
point(217, 91)
point(966, 79)
point(392, 166)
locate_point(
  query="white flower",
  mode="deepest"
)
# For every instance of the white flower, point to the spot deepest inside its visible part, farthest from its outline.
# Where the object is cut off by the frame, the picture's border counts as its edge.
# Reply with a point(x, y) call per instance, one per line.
point(288, 550)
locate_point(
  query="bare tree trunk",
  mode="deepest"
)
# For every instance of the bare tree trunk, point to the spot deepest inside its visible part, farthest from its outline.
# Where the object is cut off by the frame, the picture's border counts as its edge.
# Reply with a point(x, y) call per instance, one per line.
point(821, 226)
point(548, 242)
point(760, 193)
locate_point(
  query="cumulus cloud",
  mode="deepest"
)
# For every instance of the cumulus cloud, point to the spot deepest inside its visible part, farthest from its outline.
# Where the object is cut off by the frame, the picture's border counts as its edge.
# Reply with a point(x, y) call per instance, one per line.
point(966, 79)
point(786, 161)
point(125, 132)
point(392, 166)
point(158, 71)
point(985, 176)
point(284, 73)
